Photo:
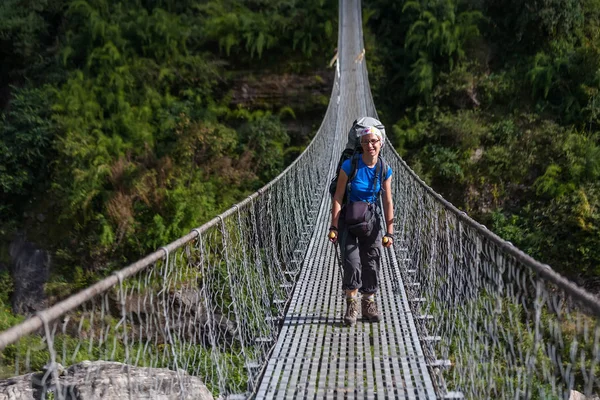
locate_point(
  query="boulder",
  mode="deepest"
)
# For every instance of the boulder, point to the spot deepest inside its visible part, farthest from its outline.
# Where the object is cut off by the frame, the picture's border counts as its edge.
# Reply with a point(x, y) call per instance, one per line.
point(30, 270)
point(575, 395)
point(190, 321)
point(107, 381)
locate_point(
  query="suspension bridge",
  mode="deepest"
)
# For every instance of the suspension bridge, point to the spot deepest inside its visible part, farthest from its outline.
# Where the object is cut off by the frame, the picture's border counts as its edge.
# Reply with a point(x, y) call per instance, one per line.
point(251, 302)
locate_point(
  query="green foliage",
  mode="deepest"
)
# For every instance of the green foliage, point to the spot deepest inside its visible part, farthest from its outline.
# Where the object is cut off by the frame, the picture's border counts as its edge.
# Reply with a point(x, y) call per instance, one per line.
point(508, 227)
point(27, 39)
point(69, 283)
point(565, 80)
point(439, 29)
point(232, 25)
point(5, 288)
point(446, 161)
point(26, 135)
point(520, 27)
point(535, 182)
point(20, 26)
point(436, 40)
point(240, 29)
point(7, 319)
point(557, 335)
point(126, 137)
point(505, 122)
point(266, 140)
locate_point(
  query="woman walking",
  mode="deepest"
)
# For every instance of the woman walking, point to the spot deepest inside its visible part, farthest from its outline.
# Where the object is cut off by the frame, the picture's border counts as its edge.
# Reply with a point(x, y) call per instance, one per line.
point(356, 224)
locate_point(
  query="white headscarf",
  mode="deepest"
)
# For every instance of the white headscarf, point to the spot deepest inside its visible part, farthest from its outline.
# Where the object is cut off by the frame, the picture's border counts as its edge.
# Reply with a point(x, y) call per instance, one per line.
point(371, 130)
point(358, 126)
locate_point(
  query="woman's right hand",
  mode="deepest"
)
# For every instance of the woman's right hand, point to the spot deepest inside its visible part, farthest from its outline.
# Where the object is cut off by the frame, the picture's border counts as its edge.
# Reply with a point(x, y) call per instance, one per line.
point(333, 234)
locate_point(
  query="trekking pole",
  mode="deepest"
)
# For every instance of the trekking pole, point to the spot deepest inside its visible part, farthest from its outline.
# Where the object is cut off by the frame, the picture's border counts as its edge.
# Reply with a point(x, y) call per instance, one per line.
point(339, 260)
point(332, 235)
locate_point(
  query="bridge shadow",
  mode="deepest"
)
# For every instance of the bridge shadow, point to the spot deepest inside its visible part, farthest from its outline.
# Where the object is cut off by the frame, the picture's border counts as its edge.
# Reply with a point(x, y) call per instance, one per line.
point(300, 320)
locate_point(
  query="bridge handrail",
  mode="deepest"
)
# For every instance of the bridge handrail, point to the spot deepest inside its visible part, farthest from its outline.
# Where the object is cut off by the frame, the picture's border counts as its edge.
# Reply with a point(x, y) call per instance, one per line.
point(545, 270)
point(52, 313)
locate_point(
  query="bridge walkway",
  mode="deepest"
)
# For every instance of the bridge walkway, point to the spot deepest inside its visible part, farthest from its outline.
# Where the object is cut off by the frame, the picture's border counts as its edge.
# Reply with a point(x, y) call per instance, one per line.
point(316, 356)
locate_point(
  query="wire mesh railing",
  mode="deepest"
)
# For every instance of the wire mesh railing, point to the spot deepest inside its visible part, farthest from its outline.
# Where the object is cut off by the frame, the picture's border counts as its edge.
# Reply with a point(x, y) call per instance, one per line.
point(206, 305)
point(496, 323)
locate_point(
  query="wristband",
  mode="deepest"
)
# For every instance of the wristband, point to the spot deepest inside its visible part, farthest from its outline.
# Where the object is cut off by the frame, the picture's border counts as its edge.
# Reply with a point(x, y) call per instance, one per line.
point(333, 228)
point(390, 235)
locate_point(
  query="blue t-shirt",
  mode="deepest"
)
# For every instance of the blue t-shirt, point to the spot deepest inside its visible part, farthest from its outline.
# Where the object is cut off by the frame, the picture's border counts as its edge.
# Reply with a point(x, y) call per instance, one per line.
point(362, 184)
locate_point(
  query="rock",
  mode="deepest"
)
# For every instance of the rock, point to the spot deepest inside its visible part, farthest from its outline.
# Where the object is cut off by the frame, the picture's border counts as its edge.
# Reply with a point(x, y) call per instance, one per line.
point(575, 395)
point(51, 366)
point(30, 270)
point(191, 320)
point(274, 91)
point(17, 388)
point(107, 381)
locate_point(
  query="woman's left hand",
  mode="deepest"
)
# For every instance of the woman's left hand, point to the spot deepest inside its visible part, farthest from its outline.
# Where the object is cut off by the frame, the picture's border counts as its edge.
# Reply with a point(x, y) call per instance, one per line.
point(387, 240)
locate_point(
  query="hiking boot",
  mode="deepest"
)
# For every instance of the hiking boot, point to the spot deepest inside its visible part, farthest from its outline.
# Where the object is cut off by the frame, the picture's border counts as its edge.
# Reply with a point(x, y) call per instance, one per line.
point(351, 311)
point(369, 309)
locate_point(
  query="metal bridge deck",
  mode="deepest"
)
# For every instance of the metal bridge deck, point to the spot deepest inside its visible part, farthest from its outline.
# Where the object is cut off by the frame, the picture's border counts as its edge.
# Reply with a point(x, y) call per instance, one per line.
point(316, 356)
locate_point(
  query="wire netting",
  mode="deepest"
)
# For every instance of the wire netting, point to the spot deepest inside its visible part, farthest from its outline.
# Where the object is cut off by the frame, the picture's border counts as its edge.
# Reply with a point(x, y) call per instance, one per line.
point(496, 322)
point(206, 305)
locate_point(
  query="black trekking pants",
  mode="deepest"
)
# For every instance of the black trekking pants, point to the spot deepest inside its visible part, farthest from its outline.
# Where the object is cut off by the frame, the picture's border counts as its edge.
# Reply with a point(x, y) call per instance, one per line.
point(361, 258)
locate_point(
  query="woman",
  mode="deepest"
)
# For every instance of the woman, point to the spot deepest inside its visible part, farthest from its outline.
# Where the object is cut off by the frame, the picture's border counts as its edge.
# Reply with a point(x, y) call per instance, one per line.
point(361, 252)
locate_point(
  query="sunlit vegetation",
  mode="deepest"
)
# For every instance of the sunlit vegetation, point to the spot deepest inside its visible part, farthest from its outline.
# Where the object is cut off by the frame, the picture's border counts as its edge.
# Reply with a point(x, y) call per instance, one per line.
point(495, 104)
point(119, 133)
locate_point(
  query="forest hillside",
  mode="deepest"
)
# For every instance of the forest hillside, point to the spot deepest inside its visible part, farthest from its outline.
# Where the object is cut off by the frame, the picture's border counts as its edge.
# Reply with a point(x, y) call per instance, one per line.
point(496, 105)
point(123, 125)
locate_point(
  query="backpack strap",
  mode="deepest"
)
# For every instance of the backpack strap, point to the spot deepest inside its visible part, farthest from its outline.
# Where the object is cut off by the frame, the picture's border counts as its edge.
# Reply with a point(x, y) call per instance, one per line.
point(385, 169)
point(378, 174)
point(352, 175)
point(353, 166)
point(381, 171)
